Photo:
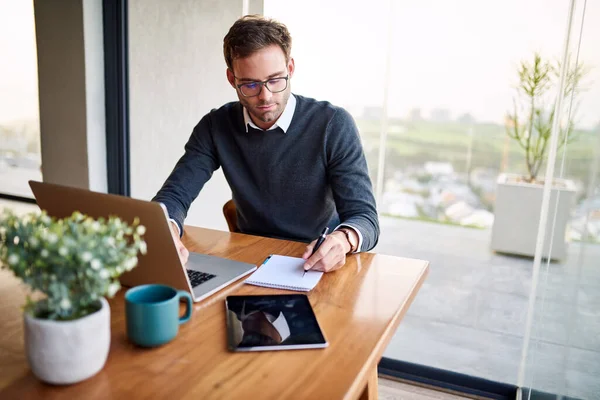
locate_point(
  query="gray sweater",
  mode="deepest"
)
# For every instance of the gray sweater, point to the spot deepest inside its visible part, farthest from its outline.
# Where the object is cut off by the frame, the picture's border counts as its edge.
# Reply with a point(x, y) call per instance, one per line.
point(286, 185)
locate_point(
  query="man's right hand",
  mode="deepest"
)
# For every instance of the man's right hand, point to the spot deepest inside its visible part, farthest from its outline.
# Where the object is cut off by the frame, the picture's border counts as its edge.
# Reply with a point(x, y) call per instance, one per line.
point(183, 252)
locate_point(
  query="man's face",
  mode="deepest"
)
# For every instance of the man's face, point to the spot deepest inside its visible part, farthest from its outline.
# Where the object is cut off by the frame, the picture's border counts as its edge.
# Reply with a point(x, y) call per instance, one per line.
point(267, 63)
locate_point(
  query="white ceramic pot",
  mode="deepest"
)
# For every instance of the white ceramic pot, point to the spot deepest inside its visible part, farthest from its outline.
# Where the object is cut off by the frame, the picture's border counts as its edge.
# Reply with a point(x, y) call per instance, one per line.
point(65, 352)
point(517, 217)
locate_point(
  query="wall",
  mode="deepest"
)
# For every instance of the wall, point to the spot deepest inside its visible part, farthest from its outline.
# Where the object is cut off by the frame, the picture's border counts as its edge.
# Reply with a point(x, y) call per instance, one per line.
point(71, 92)
point(176, 75)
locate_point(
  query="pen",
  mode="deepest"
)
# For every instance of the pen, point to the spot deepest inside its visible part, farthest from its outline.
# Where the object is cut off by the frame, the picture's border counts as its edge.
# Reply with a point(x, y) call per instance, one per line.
point(320, 241)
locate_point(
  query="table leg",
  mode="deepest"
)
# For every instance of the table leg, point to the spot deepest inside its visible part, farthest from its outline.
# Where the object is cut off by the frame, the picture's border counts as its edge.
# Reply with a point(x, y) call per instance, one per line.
point(370, 391)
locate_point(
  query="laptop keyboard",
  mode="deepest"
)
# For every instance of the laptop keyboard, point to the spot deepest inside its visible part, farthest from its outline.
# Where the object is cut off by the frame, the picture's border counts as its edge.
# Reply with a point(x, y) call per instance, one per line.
point(197, 277)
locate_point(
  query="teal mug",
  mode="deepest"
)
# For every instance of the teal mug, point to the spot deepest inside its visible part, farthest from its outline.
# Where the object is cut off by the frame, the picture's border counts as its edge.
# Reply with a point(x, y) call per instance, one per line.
point(152, 314)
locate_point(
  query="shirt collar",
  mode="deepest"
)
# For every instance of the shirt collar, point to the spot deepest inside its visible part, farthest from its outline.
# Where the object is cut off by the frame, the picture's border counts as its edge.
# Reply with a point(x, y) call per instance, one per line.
point(284, 121)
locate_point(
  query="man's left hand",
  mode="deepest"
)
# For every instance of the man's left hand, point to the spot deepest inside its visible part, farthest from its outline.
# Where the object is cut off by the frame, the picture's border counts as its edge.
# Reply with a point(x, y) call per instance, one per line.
point(331, 255)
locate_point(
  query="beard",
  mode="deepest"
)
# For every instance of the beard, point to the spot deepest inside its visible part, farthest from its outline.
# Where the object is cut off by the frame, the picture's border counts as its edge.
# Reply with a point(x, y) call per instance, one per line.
point(279, 101)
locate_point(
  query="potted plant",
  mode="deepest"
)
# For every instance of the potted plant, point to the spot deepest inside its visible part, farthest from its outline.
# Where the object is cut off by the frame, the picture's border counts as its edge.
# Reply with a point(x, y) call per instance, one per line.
point(519, 197)
point(69, 264)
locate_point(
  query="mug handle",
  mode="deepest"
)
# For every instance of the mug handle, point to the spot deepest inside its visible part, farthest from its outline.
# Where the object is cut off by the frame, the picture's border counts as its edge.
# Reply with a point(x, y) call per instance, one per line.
point(188, 308)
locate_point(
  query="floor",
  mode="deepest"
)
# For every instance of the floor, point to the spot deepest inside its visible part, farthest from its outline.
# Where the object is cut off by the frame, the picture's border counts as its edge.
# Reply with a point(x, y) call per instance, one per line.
point(470, 314)
point(392, 390)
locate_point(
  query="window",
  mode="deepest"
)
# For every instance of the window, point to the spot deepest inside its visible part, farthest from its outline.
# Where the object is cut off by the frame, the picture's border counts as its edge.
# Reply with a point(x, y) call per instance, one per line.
point(429, 84)
point(20, 158)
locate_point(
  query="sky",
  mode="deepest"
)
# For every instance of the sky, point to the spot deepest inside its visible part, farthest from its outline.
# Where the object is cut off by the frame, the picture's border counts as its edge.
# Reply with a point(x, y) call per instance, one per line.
point(459, 55)
point(18, 61)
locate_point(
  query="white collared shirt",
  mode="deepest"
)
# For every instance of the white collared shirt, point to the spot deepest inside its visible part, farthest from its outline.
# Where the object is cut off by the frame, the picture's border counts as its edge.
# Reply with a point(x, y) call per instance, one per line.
point(284, 120)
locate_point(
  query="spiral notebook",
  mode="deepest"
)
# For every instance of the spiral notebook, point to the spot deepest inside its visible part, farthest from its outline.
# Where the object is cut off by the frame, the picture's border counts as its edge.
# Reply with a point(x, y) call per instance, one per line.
point(283, 272)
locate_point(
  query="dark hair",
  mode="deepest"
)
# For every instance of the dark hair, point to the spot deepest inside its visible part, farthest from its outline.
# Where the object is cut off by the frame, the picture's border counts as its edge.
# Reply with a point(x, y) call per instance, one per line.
point(252, 33)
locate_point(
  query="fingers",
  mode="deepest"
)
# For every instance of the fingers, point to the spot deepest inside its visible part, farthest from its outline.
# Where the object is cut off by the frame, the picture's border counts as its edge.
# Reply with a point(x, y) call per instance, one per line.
point(327, 264)
point(329, 257)
point(309, 250)
point(330, 262)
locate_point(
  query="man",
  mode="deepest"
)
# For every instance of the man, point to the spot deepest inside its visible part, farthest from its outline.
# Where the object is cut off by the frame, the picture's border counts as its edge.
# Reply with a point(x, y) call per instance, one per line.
point(294, 165)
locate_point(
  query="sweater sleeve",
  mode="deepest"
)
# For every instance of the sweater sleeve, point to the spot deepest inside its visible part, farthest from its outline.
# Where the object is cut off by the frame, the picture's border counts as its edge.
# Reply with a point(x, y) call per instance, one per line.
point(349, 178)
point(191, 172)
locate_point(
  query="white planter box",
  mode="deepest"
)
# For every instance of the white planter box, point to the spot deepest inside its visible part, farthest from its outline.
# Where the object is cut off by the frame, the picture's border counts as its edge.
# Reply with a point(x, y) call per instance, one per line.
point(517, 216)
point(66, 352)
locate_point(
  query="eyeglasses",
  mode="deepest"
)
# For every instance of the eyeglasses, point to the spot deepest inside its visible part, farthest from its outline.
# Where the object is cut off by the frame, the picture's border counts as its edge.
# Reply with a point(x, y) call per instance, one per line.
point(274, 85)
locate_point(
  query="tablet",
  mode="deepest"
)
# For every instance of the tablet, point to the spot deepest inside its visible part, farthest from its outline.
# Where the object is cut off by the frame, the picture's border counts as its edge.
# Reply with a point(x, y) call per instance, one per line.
point(272, 322)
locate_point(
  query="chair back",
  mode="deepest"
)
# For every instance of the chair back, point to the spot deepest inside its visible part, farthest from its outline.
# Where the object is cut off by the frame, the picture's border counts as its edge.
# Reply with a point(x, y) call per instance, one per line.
point(230, 213)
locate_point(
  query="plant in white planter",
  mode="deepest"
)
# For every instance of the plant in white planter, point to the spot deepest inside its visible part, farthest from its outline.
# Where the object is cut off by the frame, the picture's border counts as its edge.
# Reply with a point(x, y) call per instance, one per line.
point(69, 264)
point(519, 197)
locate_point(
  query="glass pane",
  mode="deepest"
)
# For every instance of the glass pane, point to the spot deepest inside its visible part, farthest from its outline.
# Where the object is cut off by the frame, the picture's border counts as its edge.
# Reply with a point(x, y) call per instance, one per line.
point(353, 75)
point(453, 72)
point(20, 154)
point(453, 85)
point(563, 354)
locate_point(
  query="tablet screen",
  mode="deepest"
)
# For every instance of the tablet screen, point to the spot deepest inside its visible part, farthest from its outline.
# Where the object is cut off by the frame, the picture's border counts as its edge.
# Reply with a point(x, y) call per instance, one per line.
point(272, 322)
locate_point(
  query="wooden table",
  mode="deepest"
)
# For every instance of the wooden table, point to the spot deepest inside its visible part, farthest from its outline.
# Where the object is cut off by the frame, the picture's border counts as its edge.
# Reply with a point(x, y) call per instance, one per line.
point(358, 307)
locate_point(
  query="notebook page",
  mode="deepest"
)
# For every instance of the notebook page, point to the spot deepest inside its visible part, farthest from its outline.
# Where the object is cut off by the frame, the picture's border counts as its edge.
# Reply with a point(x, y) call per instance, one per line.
point(285, 272)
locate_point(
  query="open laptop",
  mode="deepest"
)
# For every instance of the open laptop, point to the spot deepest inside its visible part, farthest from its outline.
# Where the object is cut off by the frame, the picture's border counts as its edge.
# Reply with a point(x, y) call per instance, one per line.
point(202, 275)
